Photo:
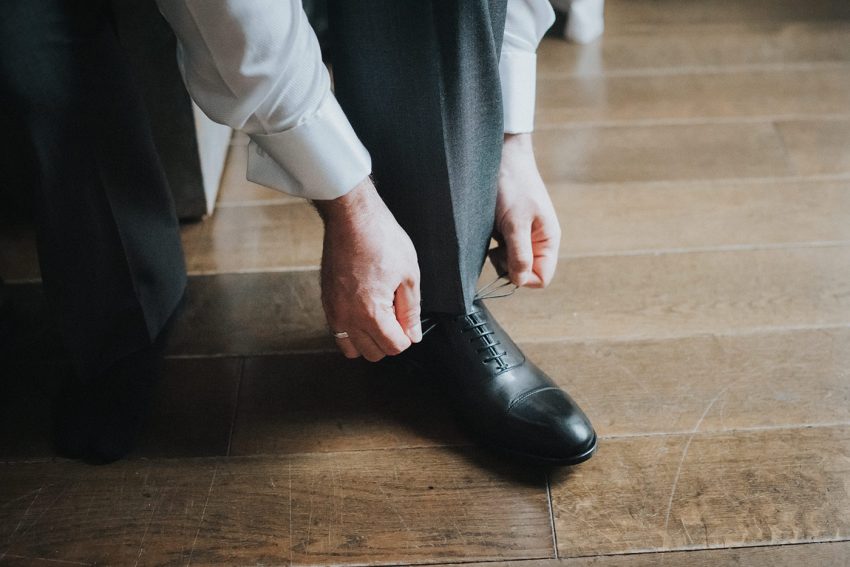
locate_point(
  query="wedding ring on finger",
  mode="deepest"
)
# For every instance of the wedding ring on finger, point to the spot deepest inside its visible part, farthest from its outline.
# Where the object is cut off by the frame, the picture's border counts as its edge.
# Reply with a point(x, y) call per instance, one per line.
point(340, 335)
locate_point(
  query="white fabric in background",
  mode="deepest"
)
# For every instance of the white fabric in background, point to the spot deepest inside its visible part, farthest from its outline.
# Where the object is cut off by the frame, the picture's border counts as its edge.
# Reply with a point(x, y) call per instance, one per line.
point(585, 19)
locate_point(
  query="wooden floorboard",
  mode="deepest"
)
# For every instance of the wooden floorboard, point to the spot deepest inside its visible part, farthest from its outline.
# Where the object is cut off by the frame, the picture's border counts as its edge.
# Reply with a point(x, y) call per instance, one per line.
point(254, 238)
point(666, 49)
point(713, 383)
point(647, 217)
point(382, 507)
point(660, 152)
point(325, 403)
point(706, 490)
point(697, 156)
point(644, 296)
point(750, 93)
point(627, 14)
point(251, 314)
point(672, 295)
point(592, 298)
point(600, 219)
point(831, 554)
point(817, 146)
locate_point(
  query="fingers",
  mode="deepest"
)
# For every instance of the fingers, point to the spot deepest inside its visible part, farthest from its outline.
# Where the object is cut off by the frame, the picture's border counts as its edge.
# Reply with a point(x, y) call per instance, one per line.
point(347, 347)
point(543, 268)
point(407, 309)
point(520, 255)
point(545, 242)
point(366, 346)
point(381, 334)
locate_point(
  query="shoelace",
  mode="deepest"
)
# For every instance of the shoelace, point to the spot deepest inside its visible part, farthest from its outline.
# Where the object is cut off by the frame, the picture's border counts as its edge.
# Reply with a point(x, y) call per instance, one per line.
point(498, 288)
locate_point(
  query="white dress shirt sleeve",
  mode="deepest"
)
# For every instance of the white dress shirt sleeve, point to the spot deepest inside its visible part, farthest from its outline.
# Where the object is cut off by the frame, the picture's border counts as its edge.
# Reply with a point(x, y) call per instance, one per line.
point(526, 23)
point(256, 66)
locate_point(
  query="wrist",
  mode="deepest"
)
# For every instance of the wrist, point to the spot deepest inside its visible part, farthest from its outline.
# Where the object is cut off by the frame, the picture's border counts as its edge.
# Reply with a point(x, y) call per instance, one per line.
point(349, 207)
point(519, 141)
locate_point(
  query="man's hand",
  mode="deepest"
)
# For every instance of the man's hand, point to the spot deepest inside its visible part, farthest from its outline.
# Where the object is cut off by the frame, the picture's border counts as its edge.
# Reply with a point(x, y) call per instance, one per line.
point(526, 229)
point(370, 276)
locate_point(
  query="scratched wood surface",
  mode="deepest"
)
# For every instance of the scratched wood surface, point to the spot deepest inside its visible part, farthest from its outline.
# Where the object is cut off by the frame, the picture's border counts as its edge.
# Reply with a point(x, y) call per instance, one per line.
point(783, 485)
point(386, 506)
point(833, 554)
point(699, 159)
point(642, 295)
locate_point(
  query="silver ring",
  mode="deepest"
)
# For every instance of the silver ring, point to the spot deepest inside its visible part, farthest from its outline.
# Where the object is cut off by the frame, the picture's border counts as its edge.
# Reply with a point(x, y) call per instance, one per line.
point(341, 335)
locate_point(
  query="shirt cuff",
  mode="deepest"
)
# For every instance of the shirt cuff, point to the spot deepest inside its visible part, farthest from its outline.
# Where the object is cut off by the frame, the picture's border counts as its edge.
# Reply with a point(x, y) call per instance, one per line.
point(518, 72)
point(321, 158)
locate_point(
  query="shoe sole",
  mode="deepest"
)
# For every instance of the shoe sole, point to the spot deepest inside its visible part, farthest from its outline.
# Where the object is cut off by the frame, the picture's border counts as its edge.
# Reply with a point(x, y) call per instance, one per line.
point(541, 460)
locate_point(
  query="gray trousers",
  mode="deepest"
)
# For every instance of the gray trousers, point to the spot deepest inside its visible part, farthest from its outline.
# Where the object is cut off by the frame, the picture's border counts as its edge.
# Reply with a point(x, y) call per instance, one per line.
point(418, 79)
point(108, 239)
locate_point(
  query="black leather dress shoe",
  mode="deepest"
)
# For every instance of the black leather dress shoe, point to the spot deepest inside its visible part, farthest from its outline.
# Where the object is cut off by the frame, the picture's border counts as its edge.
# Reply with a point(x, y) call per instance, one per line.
point(502, 397)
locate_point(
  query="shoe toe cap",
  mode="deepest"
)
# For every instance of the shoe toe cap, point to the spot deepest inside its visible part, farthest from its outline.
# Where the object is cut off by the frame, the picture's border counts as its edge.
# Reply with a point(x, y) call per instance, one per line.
point(558, 429)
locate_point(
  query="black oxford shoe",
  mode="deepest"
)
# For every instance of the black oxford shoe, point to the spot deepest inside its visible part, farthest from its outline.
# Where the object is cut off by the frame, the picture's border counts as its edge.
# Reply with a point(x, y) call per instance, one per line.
point(502, 397)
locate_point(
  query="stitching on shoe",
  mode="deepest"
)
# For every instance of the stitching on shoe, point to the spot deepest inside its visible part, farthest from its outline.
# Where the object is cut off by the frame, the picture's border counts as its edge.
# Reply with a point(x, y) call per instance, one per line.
point(527, 395)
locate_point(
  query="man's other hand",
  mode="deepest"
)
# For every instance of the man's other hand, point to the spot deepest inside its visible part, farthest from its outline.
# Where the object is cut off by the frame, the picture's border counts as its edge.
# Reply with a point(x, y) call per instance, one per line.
point(526, 228)
point(370, 276)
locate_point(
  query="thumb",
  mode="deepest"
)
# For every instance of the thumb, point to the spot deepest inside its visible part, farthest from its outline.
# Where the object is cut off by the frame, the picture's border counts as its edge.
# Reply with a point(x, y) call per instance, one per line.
point(407, 310)
point(520, 255)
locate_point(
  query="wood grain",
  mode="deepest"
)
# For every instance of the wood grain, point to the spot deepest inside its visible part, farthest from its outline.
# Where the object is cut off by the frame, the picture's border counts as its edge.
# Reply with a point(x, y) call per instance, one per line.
point(675, 48)
point(592, 298)
point(672, 295)
point(254, 238)
point(377, 507)
point(818, 146)
point(595, 219)
point(706, 490)
point(711, 383)
point(251, 314)
point(136, 511)
point(650, 153)
point(627, 14)
point(643, 217)
point(700, 95)
point(832, 554)
point(645, 296)
point(325, 403)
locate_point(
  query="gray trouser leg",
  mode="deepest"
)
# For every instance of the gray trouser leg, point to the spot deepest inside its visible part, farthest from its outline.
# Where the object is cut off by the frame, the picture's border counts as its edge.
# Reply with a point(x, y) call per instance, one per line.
point(109, 245)
point(419, 81)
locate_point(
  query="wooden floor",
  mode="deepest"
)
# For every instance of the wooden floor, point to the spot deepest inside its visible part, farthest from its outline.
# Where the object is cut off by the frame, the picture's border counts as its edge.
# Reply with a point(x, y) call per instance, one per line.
point(699, 158)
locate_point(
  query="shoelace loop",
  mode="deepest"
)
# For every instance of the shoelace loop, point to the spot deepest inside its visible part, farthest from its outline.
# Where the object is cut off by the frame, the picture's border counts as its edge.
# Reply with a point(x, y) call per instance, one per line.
point(498, 288)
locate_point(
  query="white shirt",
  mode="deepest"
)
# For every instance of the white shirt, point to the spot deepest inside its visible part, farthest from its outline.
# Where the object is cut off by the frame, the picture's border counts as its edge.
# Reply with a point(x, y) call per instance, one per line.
point(256, 66)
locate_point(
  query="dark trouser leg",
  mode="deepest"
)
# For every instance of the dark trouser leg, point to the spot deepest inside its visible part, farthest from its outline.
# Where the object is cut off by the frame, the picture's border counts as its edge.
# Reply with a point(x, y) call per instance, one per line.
point(419, 81)
point(109, 245)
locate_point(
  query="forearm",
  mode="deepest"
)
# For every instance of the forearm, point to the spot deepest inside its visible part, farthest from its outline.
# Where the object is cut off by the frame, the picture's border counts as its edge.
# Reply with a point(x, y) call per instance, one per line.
point(256, 66)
